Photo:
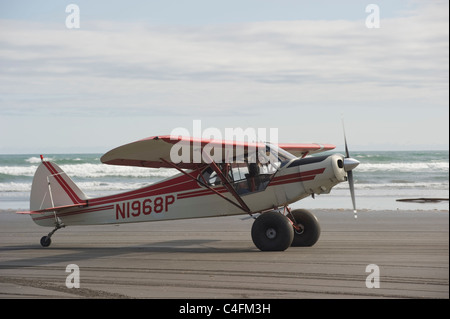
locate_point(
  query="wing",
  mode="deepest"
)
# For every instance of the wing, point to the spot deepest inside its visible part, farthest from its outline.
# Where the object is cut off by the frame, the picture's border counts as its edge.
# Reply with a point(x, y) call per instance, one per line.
point(149, 152)
point(145, 153)
point(156, 151)
point(301, 150)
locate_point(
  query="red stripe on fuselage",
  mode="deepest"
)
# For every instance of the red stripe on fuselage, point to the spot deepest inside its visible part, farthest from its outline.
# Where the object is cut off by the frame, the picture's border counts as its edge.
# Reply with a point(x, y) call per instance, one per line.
point(300, 175)
point(182, 185)
point(296, 177)
point(202, 192)
point(175, 185)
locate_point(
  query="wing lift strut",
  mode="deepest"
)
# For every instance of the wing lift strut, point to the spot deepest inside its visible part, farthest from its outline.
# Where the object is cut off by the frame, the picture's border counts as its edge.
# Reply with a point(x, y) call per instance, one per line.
point(240, 203)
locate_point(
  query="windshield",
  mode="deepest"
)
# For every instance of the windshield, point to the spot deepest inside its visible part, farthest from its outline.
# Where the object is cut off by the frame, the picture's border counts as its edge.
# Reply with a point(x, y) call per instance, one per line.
point(278, 155)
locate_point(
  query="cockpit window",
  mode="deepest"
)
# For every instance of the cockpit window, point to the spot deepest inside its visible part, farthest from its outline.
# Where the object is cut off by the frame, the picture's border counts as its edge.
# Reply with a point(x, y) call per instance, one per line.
point(250, 173)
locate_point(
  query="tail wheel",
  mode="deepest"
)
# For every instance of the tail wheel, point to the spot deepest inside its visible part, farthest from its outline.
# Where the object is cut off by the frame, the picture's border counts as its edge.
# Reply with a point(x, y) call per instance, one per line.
point(46, 241)
point(306, 228)
point(272, 231)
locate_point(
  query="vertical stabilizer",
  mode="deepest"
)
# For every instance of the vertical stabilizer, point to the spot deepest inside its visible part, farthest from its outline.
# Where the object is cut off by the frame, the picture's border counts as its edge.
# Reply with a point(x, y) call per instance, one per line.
point(52, 188)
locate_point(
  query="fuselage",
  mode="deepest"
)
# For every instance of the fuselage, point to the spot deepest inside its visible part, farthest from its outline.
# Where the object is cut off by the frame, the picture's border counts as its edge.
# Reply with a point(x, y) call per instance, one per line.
point(182, 197)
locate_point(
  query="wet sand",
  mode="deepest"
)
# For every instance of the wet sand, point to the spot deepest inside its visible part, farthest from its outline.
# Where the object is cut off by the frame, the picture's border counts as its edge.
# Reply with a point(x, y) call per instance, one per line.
point(216, 258)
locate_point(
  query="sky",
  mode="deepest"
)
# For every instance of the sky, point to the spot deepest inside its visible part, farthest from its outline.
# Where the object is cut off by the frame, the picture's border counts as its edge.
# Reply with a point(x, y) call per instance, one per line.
point(135, 69)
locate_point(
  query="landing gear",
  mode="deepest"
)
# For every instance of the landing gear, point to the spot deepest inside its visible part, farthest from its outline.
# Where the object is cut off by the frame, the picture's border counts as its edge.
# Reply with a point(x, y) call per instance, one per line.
point(272, 231)
point(306, 228)
point(47, 240)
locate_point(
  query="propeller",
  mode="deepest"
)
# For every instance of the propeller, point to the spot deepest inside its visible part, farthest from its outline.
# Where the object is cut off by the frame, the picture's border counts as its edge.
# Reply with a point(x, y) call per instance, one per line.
point(349, 165)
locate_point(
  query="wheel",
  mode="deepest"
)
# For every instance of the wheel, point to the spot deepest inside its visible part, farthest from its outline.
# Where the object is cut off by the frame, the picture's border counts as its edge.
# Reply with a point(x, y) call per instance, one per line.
point(46, 241)
point(309, 228)
point(272, 231)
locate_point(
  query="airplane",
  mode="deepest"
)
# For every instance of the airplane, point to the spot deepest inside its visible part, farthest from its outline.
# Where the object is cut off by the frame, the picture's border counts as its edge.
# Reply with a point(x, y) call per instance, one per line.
point(216, 178)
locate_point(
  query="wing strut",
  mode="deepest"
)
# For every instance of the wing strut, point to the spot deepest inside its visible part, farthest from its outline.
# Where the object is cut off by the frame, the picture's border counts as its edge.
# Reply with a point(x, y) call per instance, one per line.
point(230, 188)
point(243, 207)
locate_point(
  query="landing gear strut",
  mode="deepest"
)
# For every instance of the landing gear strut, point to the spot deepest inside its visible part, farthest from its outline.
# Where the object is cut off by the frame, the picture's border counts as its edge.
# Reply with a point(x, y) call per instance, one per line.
point(47, 240)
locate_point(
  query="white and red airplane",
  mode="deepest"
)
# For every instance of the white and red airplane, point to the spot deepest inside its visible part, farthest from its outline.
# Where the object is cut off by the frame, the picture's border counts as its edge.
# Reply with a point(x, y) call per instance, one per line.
point(258, 179)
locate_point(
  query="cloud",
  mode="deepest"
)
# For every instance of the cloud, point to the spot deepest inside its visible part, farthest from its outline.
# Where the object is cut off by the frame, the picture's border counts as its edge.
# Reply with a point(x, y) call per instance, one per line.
point(116, 69)
point(296, 60)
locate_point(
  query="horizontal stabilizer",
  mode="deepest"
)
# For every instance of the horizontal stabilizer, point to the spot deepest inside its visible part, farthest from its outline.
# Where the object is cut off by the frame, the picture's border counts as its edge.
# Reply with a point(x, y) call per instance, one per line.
point(50, 209)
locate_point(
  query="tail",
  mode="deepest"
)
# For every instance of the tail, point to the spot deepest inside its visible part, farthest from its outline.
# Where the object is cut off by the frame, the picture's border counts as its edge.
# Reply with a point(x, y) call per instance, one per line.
point(52, 189)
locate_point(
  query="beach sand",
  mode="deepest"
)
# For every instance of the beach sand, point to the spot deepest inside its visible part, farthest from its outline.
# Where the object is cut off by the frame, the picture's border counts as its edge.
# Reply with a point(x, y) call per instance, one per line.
point(216, 258)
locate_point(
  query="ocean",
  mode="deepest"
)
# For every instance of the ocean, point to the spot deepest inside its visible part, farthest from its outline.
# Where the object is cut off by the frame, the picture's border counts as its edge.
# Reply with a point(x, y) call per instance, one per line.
point(380, 179)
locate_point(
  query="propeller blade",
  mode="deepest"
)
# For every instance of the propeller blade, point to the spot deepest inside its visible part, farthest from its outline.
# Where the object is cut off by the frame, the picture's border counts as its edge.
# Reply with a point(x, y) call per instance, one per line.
point(349, 165)
point(347, 154)
point(352, 191)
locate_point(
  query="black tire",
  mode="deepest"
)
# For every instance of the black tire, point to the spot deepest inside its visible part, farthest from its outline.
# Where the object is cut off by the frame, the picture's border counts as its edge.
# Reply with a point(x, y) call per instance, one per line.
point(46, 241)
point(309, 232)
point(272, 231)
